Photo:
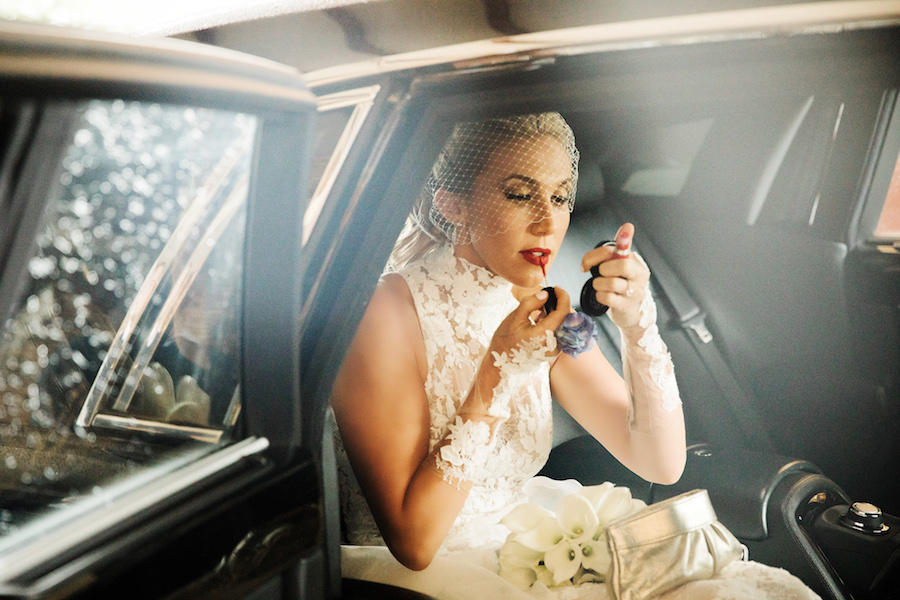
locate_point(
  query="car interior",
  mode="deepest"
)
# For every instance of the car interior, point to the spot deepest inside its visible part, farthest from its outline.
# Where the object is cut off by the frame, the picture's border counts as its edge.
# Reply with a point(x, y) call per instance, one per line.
point(754, 173)
point(780, 361)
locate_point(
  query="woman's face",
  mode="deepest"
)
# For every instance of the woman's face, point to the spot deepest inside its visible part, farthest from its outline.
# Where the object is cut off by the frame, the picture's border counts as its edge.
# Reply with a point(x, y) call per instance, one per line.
point(518, 210)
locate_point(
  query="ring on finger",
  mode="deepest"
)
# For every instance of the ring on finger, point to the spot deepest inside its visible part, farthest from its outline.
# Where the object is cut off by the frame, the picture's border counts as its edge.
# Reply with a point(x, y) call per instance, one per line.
point(531, 320)
point(630, 291)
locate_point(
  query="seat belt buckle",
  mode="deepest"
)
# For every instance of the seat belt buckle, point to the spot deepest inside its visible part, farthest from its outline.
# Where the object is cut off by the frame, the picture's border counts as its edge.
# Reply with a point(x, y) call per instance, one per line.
point(697, 324)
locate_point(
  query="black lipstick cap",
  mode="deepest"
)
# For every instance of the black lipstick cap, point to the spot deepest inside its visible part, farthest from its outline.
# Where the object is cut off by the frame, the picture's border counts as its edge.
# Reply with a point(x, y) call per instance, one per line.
point(550, 304)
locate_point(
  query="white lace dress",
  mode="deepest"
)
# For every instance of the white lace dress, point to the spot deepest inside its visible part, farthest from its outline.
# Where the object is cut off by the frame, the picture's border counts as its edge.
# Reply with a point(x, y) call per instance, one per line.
point(459, 307)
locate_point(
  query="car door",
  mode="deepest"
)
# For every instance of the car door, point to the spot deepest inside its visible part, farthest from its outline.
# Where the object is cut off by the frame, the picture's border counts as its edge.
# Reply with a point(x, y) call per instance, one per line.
point(742, 161)
point(151, 432)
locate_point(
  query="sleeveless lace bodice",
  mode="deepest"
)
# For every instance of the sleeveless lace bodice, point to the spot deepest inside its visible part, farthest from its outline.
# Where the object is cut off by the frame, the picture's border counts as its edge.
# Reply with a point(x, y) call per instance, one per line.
point(459, 307)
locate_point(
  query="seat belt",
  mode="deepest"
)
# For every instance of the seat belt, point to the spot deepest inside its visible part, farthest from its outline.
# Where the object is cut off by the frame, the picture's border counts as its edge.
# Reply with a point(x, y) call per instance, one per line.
point(692, 320)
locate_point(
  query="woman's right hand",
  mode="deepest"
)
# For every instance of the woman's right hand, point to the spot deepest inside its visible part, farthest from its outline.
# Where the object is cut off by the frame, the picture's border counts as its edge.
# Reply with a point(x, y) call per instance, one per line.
point(513, 332)
point(517, 328)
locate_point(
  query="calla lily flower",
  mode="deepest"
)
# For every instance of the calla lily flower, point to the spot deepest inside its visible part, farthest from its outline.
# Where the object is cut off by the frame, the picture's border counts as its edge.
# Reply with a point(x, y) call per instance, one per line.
point(563, 560)
point(614, 505)
point(544, 536)
point(547, 493)
point(564, 547)
point(597, 494)
point(518, 563)
point(587, 576)
point(544, 575)
point(525, 516)
point(521, 577)
point(513, 554)
point(636, 505)
point(577, 517)
point(595, 554)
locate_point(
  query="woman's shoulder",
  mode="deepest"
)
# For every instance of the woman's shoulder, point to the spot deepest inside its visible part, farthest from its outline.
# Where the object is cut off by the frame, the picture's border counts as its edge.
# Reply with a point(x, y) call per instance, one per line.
point(393, 296)
point(391, 319)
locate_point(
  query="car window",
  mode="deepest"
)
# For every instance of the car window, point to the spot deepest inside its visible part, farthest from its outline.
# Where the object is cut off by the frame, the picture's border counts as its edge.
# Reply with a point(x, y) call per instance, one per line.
point(341, 117)
point(329, 126)
point(886, 185)
point(879, 223)
point(888, 225)
point(666, 153)
point(127, 318)
point(687, 159)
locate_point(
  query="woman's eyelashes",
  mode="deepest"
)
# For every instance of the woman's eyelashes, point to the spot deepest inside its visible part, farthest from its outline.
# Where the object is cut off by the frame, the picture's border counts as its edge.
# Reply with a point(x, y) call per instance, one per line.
point(518, 196)
point(560, 200)
point(523, 196)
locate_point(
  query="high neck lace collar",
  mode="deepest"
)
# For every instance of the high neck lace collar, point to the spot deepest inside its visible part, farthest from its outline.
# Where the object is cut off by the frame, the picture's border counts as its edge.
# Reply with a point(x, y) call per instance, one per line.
point(470, 283)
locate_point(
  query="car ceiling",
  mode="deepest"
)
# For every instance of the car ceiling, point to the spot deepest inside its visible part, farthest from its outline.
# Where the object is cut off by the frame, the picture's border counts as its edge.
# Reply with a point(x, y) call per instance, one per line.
point(313, 34)
point(356, 32)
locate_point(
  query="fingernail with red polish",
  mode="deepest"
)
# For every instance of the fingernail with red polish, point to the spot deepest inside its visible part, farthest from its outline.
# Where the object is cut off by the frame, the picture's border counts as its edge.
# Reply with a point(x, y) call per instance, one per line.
point(623, 244)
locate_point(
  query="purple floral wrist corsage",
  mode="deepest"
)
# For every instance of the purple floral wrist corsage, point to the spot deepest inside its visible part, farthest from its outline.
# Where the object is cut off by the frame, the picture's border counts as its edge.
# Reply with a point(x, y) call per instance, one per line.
point(575, 334)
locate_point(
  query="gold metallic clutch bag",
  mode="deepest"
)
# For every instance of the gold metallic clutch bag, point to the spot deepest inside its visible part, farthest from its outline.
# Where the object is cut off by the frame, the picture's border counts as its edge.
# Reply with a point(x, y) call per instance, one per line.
point(667, 544)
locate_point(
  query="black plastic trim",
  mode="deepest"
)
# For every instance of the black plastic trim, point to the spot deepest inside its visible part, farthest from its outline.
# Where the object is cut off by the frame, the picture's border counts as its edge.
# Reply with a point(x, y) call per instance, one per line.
point(274, 267)
point(29, 198)
point(71, 570)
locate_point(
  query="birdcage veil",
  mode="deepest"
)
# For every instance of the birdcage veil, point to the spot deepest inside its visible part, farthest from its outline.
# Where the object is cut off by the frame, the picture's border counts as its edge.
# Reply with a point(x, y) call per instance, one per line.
point(491, 175)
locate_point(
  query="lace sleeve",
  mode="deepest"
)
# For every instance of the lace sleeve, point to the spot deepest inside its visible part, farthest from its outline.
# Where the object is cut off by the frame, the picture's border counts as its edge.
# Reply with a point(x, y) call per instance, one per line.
point(467, 447)
point(649, 373)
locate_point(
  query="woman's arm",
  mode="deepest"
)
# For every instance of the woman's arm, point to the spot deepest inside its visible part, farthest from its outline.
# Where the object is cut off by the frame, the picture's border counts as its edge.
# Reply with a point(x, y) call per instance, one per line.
point(380, 405)
point(638, 418)
point(635, 427)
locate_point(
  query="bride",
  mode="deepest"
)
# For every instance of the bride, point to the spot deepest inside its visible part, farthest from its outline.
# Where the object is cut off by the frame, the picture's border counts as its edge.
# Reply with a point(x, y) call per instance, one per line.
point(443, 403)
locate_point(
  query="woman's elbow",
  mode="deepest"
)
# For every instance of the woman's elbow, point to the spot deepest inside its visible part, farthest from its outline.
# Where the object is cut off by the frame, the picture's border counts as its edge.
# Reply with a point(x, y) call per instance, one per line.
point(412, 557)
point(669, 471)
point(411, 549)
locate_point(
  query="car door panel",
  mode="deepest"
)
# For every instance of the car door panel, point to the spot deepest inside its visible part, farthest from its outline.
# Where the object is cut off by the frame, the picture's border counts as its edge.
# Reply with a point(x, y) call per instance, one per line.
point(206, 503)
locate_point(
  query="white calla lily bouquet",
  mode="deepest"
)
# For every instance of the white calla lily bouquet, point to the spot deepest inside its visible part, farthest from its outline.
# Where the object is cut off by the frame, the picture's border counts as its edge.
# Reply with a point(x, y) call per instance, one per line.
point(559, 537)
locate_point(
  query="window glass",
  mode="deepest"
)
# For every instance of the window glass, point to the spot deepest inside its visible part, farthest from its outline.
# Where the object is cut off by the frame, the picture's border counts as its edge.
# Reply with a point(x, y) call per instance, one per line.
point(737, 161)
point(341, 117)
point(127, 321)
point(889, 222)
point(880, 221)
point(329, 127)
point(667, 152)
point(192, 378)
point(326, 159)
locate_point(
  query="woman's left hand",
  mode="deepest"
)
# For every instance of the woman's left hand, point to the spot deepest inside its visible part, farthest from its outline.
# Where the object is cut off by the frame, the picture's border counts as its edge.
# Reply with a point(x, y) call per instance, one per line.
point(624, 281)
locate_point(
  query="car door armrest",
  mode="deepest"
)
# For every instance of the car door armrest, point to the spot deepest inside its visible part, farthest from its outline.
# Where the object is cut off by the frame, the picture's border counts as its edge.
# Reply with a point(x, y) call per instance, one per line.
point(740, 484)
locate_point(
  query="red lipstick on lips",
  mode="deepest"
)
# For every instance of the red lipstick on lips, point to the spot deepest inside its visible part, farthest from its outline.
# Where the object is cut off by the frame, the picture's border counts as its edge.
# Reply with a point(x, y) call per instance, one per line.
point(538, 257)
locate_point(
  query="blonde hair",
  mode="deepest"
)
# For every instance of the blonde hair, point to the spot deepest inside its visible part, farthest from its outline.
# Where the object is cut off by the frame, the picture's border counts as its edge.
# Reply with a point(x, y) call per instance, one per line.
point(461, 160)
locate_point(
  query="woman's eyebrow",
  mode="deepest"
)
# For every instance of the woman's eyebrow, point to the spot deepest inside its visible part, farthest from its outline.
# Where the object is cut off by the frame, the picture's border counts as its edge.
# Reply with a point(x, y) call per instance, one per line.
point(532, 180)
point(524, 178)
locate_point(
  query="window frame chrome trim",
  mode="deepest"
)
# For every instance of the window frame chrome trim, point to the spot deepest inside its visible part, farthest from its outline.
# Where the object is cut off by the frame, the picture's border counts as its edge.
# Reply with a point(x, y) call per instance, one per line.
point(158, 270)
point(362, 99)
point(234, 409)
point(171, 430)
point(392, 119)
point(235, 201)
point(67, 534)
point(721, 26)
